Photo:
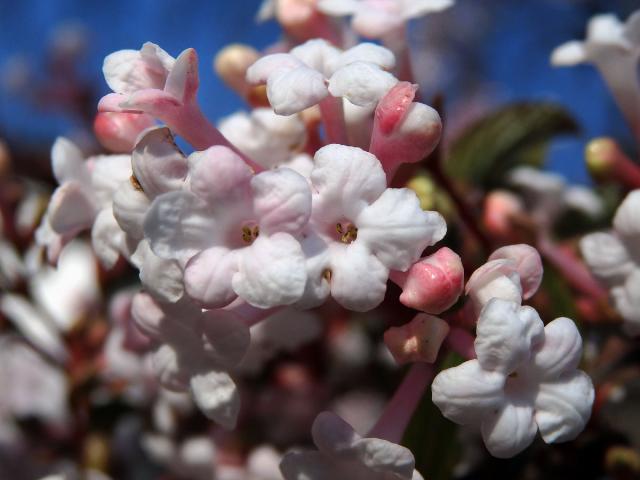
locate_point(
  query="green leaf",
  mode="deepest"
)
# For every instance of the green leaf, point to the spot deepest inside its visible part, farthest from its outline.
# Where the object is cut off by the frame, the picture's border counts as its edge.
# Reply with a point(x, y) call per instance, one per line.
point(517, 134)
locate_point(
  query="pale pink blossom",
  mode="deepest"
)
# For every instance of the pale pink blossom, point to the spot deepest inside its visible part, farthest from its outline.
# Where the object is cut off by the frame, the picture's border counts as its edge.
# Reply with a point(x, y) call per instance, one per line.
point(117, 132)
point(360, 229)
point(344, 455)
point(525, 379)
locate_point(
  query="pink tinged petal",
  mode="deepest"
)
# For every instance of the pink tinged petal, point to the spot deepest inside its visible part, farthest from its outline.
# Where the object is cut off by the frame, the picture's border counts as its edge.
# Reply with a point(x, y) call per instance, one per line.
point(183, 81)
point(346, 180)
point(627, 221)
point(158, 164)
point(178, 226)
point(159, 276)
point(464, 394)
point(170, 369)
point(218, 175)
point(560, 352)
point(68, 162)
point(34, 325)
point(226, 337)
point(207, 277)
point(151, 101)
point(308, 466)
point(506, 334)
point(528, 265)
point(111, 103)
point(291, 91)
point(569, 54)
point(564, 407)
point(271, 272)
point(317, 288)
point(260, 71)
point(384, 457)
point(316, 54)
point(509, 430)
point(130, 206)
point(107, 174)
point(364, 52)
point(127, 71)
point(494, 279)
point(358, 278)
point(397, 230)
point(362, 83)
point(282, 201)
point(107, 238)
point(217, 397)
point(71, 209)
point(607, 257)
point(432, 284)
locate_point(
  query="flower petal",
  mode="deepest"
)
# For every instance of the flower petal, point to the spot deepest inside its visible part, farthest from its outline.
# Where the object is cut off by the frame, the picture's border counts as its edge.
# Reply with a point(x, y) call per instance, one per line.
point(418, 8)
point(178, 225)
point(527, 263)
point(130, 205)
point(282, 201)
point(564, 407)
point(127, 71)
point(159, 276)
point(465, 393)
point(346, 180)
point(338, 8)
point(397, 230)
point(364, 52)
point(218, 174)
point(207, 277)
point(561, 350)
point(308, 466)
point(358, 278)
point(569, 54)
point(362, 83)
point(385, 457)
point(217, 397)
point(71, 209)
point(506, 334)
point(271, 271)
point(607, 257)
point(68, 162)
point(509, 430)
point(291, 91)
point(158, 164)
point(107, 238)
point(626, 221)
point(226, 337)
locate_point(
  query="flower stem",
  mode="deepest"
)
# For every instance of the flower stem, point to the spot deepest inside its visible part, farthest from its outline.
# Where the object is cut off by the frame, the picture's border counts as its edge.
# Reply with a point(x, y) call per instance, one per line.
point(333, 120)
point(398, 412)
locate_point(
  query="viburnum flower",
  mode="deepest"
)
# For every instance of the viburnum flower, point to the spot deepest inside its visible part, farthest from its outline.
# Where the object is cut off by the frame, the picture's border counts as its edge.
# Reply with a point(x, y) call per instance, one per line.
point(234, 231)
point(269, 139)
point(316, 69)
point(525, 379)
point(381, 18)
point(360, 229)
point(613, 258)
point(547, 195)
point(196, 351)
point(84, 201)
point(614, 48)
point(344, 455)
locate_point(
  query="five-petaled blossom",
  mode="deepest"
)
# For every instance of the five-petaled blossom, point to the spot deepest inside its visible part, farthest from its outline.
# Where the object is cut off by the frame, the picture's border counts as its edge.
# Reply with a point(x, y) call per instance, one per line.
point(525, 379)
point(615, 259)
point(344, 455)
point(233, 231)
point(360, 229)
point(316, 69)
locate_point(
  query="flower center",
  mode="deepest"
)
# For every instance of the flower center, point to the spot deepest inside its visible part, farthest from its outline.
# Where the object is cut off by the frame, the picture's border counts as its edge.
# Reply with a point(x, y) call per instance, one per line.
point(250, 233)
point(348, 232)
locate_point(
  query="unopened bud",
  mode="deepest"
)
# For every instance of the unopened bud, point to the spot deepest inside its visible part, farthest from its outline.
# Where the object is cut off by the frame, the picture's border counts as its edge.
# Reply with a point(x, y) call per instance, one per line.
point(432, 284)
point(417, 341)
point(494, 279)
point(117, 132)
point(528, 264)
point(599, 156)
point(500, 209)
point(231, 65)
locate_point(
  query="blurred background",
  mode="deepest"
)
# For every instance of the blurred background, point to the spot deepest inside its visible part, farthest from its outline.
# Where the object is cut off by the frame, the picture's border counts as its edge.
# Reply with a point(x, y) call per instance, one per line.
point(479, 54)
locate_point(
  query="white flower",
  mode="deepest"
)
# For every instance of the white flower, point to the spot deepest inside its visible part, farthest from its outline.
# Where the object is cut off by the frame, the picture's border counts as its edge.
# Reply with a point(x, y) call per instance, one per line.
point(525, 379)
point(614, 259)
point(196, 351)
point(380, 18)
point(614, 48)
point(234, 231)
point(343, 455)
point(269, 139)
point(360, 229)
point(315, 69)
point(84, 200)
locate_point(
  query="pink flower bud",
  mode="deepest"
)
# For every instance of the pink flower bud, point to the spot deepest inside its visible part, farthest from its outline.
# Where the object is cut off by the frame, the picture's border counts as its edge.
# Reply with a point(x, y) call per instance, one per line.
point(499, 209)
point(432, 284)
point(528, 264)
point(118, 132)
point(404, 131)
point(417, 341)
